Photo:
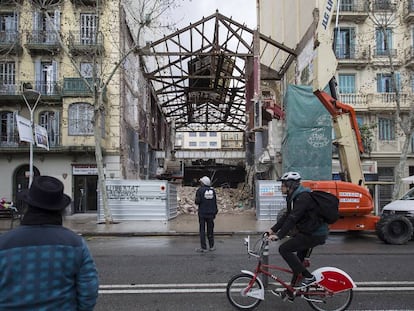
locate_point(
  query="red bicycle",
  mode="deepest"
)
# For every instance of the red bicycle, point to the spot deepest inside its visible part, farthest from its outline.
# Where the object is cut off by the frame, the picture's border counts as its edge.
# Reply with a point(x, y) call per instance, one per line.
point(333, 290)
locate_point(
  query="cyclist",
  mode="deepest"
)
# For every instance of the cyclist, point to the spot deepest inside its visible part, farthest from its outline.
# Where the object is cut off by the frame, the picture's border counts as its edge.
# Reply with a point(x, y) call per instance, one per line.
point(310, 229)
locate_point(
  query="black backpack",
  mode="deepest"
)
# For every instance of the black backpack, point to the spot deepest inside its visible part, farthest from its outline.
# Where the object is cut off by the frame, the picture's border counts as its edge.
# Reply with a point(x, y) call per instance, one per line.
point(327, 205)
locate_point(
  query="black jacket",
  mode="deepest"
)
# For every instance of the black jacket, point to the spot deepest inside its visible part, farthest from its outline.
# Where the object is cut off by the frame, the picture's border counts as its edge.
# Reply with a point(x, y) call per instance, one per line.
point(300, 214)
point(206, 200)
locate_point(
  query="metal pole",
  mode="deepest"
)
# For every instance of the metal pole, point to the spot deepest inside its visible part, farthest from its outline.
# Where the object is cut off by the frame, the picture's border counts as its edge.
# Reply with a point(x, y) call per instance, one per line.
point(31, 110)
point(265, 279)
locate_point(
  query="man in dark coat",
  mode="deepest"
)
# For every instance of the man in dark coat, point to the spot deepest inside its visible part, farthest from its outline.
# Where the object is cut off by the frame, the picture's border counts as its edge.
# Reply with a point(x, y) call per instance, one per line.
point(207, 210)
point(310, 229)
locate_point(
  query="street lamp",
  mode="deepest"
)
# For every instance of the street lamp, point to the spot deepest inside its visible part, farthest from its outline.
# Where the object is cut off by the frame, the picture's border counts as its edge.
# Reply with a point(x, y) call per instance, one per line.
point(28, 89)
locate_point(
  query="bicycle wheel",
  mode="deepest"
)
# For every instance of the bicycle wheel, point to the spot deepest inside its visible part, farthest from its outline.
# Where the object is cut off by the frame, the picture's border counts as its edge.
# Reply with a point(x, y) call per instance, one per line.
point(236, 292)
point(321, 300)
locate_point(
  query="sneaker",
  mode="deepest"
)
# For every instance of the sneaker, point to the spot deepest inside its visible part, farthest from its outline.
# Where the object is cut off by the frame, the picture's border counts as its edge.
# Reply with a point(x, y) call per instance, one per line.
point(308, 281)
point(200, 250)
point(284, 295)
point(212, 249)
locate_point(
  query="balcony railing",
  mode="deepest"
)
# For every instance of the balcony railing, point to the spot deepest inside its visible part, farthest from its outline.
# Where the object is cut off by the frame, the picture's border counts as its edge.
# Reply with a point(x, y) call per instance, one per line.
point(40, 40)
point(381, 101)
point(76, 87)
point(86, 43)
point(352, 10)
point(383, 5)
point(344, 51)
point(381, 52)
point(10, 42)
point(46, 88)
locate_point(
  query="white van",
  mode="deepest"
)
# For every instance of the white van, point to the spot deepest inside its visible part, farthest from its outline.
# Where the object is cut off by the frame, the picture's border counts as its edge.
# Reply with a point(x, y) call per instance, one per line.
point(397, 220)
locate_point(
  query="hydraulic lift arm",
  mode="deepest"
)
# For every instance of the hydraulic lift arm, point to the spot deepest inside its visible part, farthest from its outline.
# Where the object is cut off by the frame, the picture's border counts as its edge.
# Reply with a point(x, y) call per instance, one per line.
point(348, 137)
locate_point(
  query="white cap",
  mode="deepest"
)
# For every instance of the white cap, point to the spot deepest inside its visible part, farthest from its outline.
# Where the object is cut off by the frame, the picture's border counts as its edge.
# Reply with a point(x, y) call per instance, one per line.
point(205, 180)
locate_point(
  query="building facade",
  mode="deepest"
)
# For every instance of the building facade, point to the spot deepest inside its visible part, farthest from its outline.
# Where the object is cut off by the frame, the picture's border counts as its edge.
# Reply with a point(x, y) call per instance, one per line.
point(63, 52)
point(363, 45)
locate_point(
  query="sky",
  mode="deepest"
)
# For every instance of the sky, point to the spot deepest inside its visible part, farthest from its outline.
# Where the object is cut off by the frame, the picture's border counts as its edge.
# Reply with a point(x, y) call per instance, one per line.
point(242, 11)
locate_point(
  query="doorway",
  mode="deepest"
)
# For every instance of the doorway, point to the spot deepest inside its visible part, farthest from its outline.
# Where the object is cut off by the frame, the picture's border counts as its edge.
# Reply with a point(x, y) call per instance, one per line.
point(85, 196)
point(21, 182)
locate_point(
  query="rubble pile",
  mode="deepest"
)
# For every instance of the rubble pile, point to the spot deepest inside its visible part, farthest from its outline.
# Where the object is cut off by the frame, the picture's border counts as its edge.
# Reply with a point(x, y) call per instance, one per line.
point(229, 200)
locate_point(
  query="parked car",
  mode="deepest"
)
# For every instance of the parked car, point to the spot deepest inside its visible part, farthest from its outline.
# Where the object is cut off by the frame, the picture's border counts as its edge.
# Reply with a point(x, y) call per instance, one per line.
point(397, 220)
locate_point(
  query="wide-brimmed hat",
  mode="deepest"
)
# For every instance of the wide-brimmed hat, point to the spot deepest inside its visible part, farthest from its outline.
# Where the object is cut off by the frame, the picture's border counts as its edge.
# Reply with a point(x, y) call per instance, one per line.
point(46, 192)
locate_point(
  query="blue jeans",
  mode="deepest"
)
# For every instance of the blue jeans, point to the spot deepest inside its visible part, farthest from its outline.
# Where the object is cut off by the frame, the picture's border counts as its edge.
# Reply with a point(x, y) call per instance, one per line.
point(209, 221)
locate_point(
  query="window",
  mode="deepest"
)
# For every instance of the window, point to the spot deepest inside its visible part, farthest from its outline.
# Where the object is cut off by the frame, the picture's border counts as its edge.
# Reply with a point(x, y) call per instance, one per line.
point(80, 119)
point(345, 43)
point(383, 43)
point(192, 134)
point(50, 121)
point(213, 134)
point(203, 144)
point(192, 144)
point(203, 134)
point(8, 27)
point(7, 78)
point(213, 144)
point(385, 84)
point(346, 83)
point(86, 70)
point(386, 129)
point(44, 31)
point(88, 29)
point(9, 135)
point(347, 5)
point(46, 77)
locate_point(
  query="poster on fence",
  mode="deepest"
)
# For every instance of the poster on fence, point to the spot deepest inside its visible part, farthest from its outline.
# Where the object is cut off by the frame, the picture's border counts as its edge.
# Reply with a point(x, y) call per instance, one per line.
point(24, 128)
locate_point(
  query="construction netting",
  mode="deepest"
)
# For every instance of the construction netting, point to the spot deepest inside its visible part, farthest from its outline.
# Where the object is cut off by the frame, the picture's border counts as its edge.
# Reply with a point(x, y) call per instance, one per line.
point(307, 145)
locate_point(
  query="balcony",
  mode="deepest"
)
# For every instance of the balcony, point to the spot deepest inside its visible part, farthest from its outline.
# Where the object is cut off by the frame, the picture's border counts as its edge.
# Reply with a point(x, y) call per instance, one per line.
point(86, 2)
point(351, 56)
point(352, 11)
point(381, 57)
point(10, 3)
point(76, 87)
point(10, 43)
point(409, 12)
point(383, 6)
point(409, 57)
point(81, 44)
point(41, 42)
point(376, 101)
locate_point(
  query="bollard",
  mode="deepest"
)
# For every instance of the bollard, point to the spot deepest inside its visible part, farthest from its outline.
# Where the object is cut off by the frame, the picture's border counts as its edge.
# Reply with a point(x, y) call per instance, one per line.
point(265, 279)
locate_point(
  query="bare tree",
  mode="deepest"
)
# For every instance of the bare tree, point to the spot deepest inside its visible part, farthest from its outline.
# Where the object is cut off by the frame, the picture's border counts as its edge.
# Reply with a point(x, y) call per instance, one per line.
point(143, 16)
point(385, 15)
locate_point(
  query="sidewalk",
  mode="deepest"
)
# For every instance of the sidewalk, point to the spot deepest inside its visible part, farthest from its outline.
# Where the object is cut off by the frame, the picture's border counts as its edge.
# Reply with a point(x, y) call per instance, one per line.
point(225, 224)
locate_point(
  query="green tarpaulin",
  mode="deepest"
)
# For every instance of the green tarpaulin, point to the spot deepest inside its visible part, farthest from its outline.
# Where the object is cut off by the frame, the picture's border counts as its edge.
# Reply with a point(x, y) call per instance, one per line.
point(307, 145)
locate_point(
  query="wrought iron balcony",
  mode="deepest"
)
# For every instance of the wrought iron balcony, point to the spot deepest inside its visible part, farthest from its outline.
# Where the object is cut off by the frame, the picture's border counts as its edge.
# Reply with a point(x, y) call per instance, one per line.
point(80, 43)
point(10, 42)
point(355, 11)
point(351, 55)
point(86, 2)
point(41, 41)
point(383, 5)
point(76, 87)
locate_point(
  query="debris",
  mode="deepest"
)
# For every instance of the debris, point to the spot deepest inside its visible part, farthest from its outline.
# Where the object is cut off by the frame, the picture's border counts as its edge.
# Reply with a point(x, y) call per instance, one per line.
point(229, 200)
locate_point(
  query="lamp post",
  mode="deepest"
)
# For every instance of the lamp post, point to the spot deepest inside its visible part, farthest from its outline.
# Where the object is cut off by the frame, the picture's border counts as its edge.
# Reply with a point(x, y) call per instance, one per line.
point(27, 88)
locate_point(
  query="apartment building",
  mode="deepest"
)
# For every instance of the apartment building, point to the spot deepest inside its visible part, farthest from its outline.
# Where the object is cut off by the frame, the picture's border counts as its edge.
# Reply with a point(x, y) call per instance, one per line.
point(364, 72)
point(53, 52)
point(209, 140)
